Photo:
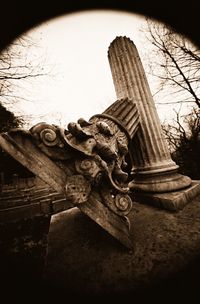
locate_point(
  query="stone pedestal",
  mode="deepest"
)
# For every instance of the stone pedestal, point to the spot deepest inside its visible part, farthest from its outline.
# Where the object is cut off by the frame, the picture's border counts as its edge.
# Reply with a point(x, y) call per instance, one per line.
point(153, 169)
point(173, 201)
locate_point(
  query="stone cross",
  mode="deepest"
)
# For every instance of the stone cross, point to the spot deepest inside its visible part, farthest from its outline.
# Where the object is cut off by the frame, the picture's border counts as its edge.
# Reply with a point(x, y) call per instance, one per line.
point(154, 172)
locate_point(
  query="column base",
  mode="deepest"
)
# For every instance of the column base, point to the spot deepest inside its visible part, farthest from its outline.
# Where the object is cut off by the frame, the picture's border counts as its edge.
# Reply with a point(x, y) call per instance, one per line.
point(159, 183)
point(172, 201)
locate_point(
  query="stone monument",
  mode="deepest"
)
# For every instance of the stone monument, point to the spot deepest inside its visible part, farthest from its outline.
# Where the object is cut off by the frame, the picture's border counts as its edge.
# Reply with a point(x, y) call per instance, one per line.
point(155, 175)
point(88, 166)
point(85, 162)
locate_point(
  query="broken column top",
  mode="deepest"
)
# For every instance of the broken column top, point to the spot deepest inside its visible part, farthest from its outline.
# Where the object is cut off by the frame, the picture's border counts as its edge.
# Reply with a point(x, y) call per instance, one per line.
point(120, 38)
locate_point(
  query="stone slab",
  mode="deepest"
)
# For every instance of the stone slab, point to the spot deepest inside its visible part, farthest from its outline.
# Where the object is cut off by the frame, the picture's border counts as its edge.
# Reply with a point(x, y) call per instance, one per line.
point(172, 201)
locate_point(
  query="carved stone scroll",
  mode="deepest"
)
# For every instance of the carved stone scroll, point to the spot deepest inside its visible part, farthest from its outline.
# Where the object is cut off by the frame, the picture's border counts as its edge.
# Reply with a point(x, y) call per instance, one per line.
point(86, 162)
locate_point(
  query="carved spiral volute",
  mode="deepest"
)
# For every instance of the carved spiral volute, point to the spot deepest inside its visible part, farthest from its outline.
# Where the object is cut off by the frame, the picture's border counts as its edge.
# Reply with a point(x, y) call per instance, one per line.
point(49, 137)
point(119, 203)
point(45, 133)
point(86, 165)
point(123, 203)
point(89, 168)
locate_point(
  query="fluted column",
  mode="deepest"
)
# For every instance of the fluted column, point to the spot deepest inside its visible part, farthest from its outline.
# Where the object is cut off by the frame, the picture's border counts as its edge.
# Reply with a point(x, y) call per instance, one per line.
point(153, 168)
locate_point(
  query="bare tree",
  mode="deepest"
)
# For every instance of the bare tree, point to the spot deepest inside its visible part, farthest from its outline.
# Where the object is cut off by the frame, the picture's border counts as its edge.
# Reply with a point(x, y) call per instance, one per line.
point(17, 67)
point(184, 142)
point(177, 64)
point(178, 132)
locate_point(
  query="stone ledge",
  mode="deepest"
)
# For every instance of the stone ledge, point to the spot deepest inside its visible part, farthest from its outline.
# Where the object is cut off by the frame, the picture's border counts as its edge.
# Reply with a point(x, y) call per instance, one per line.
point(172, 201)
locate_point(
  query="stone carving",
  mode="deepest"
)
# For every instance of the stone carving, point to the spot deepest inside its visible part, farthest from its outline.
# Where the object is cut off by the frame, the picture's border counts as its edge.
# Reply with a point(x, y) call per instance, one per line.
point(86, 162)
point(96, 151)
point(77, 189)
point(120, 203)
point(154, 174)
point(49, 136)
point(153, 168)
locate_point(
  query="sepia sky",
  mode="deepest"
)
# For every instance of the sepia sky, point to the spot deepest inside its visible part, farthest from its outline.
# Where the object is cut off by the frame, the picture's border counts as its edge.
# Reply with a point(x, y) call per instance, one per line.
point(78, 81)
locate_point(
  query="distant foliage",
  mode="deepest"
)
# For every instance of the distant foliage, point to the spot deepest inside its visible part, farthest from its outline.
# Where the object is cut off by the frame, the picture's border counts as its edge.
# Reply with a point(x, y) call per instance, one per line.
point(184, 143)
point(177, 66)
point(15, 68)
point(8, 120)
point(8, 166)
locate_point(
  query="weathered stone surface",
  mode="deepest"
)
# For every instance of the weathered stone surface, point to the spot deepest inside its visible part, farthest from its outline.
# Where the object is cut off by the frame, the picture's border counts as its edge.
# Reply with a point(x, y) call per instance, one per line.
point(85, 261)
point(173, 201)
point(86, 163)
point(153, 168)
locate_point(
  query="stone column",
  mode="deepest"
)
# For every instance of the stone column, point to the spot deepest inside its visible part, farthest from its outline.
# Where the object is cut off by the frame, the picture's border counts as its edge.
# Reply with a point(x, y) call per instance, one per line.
point(153, 169)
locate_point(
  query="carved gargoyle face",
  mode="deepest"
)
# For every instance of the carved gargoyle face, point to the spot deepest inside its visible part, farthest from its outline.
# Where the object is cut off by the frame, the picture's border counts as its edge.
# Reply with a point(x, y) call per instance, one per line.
point(95, 153)
point(84, 162)
point(104, 145)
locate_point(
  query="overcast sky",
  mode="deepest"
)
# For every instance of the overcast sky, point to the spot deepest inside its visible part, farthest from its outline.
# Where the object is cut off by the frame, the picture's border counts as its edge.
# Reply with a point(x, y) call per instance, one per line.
point(74, 49)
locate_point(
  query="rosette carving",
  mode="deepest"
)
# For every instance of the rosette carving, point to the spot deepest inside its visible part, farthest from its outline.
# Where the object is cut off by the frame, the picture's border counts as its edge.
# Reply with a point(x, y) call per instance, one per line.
point(77, 189)
point(89, 168)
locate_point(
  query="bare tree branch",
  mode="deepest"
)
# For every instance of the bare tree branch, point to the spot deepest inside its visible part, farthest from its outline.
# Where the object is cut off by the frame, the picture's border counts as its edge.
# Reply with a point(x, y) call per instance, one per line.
point(177, 61)
point(15, 67)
